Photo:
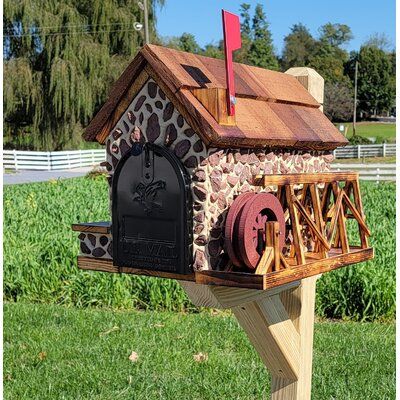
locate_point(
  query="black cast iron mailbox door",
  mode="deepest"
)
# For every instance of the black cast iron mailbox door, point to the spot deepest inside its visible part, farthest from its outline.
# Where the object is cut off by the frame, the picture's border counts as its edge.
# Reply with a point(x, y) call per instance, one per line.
point(152, 211)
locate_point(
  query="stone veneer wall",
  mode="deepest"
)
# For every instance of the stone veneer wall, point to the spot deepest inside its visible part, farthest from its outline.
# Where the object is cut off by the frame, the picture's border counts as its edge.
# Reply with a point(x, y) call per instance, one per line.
point(97, 245)
point(218, 175)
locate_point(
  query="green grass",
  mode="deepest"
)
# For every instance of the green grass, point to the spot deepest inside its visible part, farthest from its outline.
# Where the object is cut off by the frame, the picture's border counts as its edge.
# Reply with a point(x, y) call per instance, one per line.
point(40, 256)
point(54, 352)
point(381, 131)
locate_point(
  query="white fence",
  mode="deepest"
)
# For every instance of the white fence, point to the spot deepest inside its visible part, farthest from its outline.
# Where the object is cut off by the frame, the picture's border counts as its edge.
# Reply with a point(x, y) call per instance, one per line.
point(51, 160)
point(366, 150)
point(370, 172)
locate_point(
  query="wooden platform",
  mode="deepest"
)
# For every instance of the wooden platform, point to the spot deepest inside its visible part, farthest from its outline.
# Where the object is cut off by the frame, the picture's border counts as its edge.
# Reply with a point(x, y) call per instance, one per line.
point(246, 280)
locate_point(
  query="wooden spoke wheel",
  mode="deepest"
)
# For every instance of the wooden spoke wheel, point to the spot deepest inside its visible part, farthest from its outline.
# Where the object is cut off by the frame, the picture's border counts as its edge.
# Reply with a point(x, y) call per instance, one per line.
point(250, 232)
point(231, 221)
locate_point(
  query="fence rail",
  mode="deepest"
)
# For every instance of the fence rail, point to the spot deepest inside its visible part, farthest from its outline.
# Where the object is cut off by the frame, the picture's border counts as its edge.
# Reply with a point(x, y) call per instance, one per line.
point(366, 150)
point(51, 160)
point(370, 172)
point(54, 160)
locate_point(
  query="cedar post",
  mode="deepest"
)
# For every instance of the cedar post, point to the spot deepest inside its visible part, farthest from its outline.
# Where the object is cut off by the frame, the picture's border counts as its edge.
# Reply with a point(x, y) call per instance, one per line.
point(278, 322)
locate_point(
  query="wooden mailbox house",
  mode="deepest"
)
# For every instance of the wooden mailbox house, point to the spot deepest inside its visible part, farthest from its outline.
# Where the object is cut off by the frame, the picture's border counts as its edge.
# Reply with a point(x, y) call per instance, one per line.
point(241, 209)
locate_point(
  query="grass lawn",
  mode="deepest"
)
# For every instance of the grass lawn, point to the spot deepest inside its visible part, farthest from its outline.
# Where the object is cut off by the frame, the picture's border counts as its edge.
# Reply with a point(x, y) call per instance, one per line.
point(378, 130)
point(54, 352)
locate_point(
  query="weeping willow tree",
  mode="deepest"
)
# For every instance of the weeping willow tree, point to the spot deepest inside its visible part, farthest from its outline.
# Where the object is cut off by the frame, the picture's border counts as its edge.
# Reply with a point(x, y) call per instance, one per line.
point(60, 58)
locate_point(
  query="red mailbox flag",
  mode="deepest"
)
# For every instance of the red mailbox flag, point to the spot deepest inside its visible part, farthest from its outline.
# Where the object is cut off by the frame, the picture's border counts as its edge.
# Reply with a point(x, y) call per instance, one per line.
point(232, 42)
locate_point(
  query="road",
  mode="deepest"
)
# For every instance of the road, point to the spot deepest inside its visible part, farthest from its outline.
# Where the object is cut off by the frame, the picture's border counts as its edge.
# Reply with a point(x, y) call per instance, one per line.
point(19, 177)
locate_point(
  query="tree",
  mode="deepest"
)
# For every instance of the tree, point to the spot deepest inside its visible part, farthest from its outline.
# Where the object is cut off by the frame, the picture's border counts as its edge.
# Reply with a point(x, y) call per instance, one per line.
point(298, 47)
point(376, 84)
point(187, 42)
point(214, 51)
point(328, 58)
point(335, 35)
point(381, 41)
point(338, 102)
point(261, 52)
point(329, 62)
point(60, 59)
point(242, 54)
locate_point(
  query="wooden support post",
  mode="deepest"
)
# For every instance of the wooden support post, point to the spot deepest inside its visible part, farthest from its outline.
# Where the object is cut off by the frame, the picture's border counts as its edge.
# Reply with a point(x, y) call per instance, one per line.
point(299, 304)
point(278, 322)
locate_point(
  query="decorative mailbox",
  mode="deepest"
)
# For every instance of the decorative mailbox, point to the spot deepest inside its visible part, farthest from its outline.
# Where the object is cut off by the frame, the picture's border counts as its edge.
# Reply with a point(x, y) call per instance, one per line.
point(240, 207)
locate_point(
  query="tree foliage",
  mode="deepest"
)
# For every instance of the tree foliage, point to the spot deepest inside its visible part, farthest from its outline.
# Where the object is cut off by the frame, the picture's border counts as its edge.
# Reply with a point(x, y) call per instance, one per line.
point(298, 47)
point(376, 81)
point(261, 52)
point(325, 54)
point(257, 47)
point(328, 57)
point(335, 35)
point(60, 59)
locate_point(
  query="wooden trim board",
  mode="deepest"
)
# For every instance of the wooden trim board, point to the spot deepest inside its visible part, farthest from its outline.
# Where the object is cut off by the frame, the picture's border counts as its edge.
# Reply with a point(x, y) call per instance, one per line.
point(299, 178)
point(281, 277)
point(93, 227)
point(105, 265)
point(242, 279)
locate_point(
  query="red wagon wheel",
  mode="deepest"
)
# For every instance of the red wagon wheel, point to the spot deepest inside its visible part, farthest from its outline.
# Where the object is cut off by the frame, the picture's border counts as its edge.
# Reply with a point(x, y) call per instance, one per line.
point(231, 219)
point(257, 211)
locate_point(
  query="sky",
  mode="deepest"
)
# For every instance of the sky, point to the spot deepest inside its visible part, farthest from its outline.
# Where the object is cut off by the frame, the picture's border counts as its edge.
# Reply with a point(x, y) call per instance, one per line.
point(202, 18)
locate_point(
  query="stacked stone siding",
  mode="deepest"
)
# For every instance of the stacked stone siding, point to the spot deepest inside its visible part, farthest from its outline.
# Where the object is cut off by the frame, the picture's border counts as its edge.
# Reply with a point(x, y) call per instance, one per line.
point(96, 245)
point(218, 175)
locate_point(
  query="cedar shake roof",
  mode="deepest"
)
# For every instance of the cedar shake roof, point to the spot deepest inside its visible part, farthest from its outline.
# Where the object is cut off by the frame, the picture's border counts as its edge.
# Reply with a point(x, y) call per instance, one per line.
point(273, 109)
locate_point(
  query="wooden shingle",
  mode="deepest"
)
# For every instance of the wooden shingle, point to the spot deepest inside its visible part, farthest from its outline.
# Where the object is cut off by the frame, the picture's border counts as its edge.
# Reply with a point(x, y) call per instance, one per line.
point(273, 109)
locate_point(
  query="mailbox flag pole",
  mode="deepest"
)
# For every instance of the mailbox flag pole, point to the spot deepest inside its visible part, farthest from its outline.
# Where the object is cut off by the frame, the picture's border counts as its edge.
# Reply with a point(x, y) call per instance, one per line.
point(232, 42)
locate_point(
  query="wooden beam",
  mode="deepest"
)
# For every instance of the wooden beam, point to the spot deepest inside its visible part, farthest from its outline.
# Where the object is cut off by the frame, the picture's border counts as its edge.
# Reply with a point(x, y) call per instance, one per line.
point(105, 265)
point(312, 267)
point(228, 297)
point(265, 263)
point(277, 251)
point(272, 334)
point(311, 223)
point(325, 199)
point(299, 178)
point(315, 199)
point(201, 295)
point(93, 227)
point(344, 242)
point(317, 267)
point(294, 220)
point(356, 214)
point(334, 219)
point(299, 304)
point(358, 203)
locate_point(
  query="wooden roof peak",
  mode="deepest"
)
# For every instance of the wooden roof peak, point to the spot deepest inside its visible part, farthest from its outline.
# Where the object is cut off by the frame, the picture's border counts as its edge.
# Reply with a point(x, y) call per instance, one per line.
point(273, 108)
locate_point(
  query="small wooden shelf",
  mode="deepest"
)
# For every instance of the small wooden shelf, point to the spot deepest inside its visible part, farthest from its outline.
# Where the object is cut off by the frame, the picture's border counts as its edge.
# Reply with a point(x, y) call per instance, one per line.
point(93, 227)
point(246, 280)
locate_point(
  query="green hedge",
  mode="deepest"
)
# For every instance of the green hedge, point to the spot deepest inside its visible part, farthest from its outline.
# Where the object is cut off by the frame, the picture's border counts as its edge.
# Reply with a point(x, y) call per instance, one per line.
point(40, 256)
